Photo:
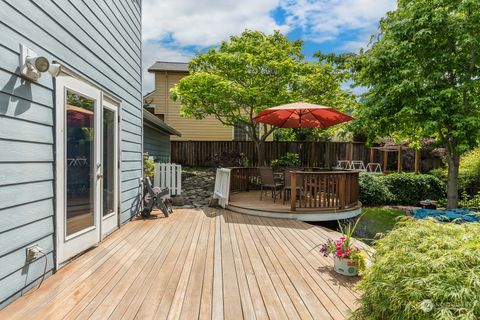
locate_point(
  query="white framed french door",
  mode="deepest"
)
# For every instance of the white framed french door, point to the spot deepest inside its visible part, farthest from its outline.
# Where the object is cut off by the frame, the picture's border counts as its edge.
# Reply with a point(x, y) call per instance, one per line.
point(78, 166)
point(109, 167)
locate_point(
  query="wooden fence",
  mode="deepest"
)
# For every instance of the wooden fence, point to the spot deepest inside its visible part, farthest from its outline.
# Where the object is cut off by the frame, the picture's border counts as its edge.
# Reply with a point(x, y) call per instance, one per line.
point(312, 154)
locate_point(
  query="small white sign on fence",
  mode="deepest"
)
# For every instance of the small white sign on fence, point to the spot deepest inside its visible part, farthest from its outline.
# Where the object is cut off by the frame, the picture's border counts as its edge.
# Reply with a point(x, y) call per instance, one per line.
point(169, 175)
point(222, 186)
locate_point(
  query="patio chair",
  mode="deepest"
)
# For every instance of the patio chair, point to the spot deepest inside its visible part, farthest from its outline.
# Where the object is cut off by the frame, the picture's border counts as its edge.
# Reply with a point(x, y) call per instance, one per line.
point(268, 182)
point(357, 165)
point(374, 167)
point(343, 164)
point(287, 181)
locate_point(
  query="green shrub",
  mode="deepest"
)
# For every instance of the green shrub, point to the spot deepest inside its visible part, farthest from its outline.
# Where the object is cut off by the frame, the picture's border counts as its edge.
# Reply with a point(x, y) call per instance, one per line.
point(423, 270)
point(469, 172)
point(373, 191)
point(290, 159)
point(402, 189)
point(409, 189)
point(148, 166)
point(470, 202)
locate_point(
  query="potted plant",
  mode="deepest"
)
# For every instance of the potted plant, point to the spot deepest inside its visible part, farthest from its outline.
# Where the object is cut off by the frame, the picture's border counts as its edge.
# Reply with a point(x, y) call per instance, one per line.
point(348, 257)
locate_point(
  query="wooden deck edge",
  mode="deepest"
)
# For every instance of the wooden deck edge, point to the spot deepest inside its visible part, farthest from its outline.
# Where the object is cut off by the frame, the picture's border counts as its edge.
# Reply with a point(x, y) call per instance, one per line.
point(310, 215)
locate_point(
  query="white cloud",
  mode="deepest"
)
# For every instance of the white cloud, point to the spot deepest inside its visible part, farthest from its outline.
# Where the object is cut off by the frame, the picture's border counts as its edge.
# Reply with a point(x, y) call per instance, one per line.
point(325, 20)
point(154, 51)
point(208, 22)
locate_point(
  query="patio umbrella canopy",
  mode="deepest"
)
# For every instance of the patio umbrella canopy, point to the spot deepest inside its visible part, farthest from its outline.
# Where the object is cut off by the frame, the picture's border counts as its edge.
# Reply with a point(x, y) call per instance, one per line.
point(301, 115)
point(78, 116)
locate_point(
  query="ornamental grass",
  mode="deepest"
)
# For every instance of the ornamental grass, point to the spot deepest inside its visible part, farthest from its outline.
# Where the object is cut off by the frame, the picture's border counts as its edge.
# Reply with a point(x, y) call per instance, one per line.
point(424, 270)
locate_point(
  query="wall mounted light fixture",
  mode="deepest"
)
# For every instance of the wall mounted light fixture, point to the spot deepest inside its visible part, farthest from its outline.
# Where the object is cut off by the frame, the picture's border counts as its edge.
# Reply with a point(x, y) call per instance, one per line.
point(32, 65)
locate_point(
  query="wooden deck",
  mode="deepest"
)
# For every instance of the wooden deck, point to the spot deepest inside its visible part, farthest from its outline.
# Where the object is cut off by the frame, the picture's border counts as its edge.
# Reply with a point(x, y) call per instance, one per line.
point(197, 264)
point(250, 203)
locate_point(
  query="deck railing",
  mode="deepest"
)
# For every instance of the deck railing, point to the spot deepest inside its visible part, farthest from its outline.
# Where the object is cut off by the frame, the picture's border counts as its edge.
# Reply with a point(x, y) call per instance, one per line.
point(243, 179)
point(324, 189)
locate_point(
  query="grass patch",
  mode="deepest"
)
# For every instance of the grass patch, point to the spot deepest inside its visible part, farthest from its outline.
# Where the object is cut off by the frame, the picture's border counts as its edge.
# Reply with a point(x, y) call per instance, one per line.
point(376, 220)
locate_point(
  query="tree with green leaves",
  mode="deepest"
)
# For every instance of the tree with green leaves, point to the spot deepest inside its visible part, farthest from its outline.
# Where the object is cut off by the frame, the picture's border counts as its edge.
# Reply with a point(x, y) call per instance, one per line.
point(250, 73)
point(423, 78)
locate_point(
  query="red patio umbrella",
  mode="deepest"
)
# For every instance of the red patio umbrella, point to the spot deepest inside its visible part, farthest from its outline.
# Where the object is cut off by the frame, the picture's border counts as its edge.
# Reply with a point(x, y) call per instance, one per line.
point(301, 115)
point(78, 116)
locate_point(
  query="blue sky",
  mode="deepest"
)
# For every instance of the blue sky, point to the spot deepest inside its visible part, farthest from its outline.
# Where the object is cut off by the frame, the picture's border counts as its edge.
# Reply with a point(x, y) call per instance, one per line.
point(173, 30)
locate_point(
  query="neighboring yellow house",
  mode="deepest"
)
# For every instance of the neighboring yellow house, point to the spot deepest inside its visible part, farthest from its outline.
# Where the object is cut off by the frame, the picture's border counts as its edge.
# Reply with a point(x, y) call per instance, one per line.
point(167, 74)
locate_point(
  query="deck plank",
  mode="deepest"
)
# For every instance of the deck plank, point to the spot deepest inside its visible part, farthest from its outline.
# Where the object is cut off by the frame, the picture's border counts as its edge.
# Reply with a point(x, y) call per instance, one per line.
point(327, 297)
point(132, 299)
point(297, 273)
point(273, 303)
point(274, 256)
point(245, 296)
point(257, 299)
point(155, 293)
point(232, 305)
point(197, 264)
point(207, 286)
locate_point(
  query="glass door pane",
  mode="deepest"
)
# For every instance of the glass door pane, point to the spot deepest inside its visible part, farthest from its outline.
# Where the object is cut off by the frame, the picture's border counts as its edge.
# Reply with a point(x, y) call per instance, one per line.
point(109, 156)
point(80, 165)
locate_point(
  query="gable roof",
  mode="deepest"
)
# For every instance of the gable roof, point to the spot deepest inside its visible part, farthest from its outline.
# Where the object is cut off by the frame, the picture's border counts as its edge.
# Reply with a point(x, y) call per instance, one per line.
point(169, 66)
point(152, 120)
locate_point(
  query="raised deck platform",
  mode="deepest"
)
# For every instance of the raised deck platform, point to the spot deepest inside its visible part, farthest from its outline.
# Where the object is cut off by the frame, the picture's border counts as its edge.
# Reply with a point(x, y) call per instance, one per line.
point(250, 203)
point(322, 195)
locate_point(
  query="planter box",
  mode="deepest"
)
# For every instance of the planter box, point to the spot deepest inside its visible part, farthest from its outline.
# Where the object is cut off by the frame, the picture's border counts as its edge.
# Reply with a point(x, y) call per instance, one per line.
point(345, 266)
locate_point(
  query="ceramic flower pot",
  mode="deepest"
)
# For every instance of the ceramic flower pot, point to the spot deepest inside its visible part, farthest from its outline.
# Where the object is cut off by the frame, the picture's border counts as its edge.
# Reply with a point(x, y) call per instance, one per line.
point(345, 266)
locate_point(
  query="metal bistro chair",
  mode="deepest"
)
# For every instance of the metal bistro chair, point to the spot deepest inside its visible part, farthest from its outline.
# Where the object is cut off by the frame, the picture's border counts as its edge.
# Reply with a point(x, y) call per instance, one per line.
point(268, 182)
point(357, 165)
point(374, 167)
point(287, 181)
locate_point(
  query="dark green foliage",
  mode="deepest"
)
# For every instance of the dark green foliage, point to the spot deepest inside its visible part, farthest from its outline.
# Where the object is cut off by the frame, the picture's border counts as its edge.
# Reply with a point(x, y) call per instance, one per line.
point(373, 191)
point(409, 189)
point(402, 189)
point(468, 175)
point(290, 159)
point(423, 270)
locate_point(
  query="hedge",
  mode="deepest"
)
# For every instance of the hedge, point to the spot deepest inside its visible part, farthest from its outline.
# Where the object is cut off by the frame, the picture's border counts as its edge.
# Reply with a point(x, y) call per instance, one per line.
point(401, 189)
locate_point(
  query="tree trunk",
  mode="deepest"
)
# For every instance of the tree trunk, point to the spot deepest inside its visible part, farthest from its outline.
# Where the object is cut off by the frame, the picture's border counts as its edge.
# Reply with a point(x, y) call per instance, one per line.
point(260, 146)
point(452, 183)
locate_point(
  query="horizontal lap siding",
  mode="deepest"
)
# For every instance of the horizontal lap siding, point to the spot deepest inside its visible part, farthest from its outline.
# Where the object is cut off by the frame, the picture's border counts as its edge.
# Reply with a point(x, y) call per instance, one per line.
point(157, 144)
point(101, 41)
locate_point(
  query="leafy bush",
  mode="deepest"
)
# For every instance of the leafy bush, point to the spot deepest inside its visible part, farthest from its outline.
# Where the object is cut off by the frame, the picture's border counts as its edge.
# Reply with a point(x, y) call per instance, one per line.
point(148, 166)
point(230, 158)
point(423, 270)
point(403, 188)
point(468, 175)
point(409, 189)
point(290, 159)
point(373, 191)
point(470, 202)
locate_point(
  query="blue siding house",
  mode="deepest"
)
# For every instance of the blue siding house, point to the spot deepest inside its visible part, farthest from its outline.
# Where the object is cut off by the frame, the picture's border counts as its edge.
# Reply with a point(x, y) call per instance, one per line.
point(156, 137)
point(71, 140)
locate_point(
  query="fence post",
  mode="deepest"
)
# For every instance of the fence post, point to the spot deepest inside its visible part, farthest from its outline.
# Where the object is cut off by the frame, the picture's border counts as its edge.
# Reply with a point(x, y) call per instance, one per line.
point(293, 195)
point(156, 177)
point(179, 179)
